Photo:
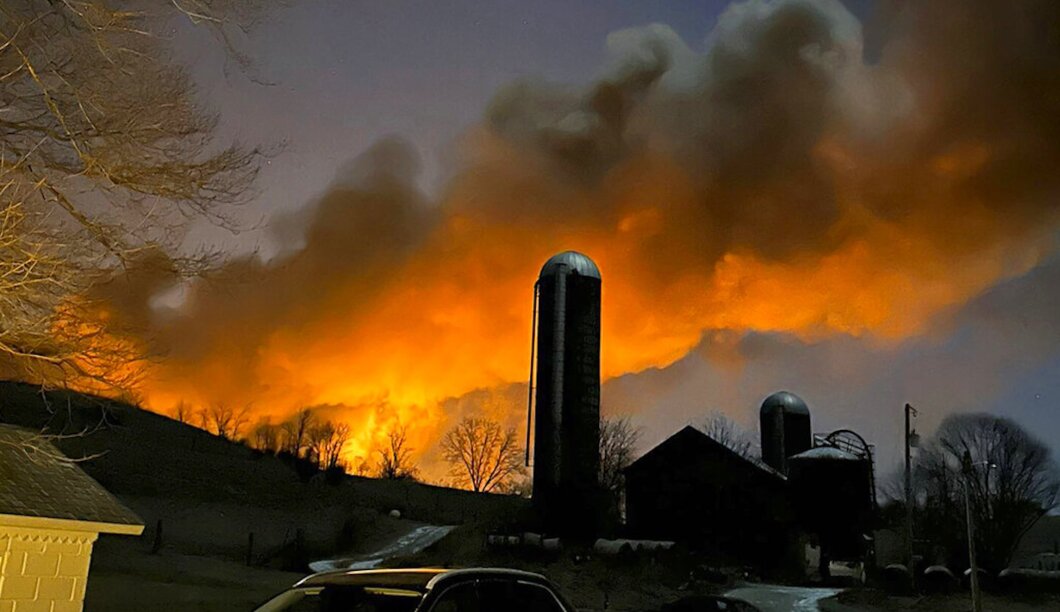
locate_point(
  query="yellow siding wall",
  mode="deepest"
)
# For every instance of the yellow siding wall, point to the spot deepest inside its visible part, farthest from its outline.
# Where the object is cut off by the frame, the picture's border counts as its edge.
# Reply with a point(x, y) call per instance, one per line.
point(43, 570)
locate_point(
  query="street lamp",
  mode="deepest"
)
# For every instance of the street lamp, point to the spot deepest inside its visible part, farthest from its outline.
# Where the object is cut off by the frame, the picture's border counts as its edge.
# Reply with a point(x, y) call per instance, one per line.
point(973, 569)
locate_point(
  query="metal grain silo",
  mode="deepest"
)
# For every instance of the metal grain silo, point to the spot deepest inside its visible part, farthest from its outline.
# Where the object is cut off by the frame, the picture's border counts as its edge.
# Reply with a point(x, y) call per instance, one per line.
point(567, 393)
point(785, 427)
point(832, 493)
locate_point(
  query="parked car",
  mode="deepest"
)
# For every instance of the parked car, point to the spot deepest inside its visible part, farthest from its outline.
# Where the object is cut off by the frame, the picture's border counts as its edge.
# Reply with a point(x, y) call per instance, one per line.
point(708, 603)
point(421, 590)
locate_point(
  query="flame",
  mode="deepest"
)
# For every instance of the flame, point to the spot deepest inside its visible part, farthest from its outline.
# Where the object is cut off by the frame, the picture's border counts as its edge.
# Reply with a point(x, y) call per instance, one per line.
point(456, 319)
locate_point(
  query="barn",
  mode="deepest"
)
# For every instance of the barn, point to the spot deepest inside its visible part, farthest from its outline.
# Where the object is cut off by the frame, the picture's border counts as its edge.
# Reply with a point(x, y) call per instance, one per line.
point(693, 489)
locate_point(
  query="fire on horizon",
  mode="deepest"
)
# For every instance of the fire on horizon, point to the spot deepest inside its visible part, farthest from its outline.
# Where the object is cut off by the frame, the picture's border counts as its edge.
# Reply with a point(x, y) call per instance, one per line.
point(774, 181)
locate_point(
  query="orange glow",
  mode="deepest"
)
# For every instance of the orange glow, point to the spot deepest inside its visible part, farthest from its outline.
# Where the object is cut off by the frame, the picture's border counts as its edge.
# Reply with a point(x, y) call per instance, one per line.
point(456, 318)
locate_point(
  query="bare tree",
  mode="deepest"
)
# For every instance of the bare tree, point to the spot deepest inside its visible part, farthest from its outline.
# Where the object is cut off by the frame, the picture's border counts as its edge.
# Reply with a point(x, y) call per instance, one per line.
point(481, 455)
point(362, 466)
point(266, 436)
point(182, 413)
point(618, 443)
point(395, 457)
point(227, 421)
point(106, 156)
point(335, 445)
point(295, 431)
point(723, 430)
point(327, 441)
point(316, 437)
point(1012, 483)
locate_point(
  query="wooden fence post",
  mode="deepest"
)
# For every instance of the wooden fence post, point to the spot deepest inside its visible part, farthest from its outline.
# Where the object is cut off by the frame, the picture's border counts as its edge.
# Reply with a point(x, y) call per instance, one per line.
point(156, 545)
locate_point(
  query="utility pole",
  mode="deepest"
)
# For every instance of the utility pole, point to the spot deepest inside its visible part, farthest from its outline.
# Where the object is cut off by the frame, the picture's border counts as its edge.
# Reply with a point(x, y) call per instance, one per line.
point(973, 569)
point(911, 440)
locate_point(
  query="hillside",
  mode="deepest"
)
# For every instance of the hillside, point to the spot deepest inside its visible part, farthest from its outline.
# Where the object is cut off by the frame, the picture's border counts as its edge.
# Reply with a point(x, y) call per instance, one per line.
point(211, 494)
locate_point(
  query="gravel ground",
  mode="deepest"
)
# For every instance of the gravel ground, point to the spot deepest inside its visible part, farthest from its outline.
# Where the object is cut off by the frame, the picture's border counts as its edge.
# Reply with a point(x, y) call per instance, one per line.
point(870, 600)
point(776, 598)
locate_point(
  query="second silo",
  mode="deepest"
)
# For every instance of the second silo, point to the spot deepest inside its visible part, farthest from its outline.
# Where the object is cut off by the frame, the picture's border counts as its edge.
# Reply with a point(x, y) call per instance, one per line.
point(832, 493)
point(567, 394)
point(785, 427)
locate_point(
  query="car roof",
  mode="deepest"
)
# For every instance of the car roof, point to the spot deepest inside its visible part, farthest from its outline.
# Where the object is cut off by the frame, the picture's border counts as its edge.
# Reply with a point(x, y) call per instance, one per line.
point(415, 579)
point(485, 573)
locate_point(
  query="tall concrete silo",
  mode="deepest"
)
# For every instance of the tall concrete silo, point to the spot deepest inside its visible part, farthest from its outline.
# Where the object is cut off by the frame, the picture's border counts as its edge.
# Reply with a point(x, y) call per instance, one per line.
point(784, 421)
point(567, 393)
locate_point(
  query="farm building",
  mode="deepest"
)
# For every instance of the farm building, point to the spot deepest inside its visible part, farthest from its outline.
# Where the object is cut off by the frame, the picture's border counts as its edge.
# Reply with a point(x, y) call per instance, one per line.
point(51, 513)
point(690, 488)
point(693, 489)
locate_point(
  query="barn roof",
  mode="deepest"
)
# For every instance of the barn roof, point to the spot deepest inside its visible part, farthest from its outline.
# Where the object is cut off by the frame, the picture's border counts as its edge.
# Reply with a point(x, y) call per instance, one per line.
point(38, 482)
point(695, 437)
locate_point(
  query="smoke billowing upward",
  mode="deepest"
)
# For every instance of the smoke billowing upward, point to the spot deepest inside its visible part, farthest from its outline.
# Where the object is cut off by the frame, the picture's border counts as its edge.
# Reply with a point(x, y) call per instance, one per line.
point(776, 181)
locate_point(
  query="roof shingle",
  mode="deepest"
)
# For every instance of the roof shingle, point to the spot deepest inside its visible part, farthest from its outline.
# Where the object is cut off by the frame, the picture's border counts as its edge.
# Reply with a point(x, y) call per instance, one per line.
point(37, 481)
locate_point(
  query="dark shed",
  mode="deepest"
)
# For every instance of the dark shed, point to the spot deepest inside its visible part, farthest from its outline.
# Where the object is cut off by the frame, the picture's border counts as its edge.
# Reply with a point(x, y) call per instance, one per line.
point(692, 489)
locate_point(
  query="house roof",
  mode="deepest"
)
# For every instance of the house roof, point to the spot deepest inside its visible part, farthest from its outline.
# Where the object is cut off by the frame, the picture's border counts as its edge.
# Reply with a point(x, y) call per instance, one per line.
point(38, 482)
point(690, 434)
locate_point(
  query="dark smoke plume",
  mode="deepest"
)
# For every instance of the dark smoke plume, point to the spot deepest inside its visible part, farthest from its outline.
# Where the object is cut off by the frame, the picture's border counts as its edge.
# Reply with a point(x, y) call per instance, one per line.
point(776, 182)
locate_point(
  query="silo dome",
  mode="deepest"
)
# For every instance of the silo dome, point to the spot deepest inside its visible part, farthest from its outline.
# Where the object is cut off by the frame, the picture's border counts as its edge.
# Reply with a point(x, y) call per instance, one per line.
point(572, 260)
point(786, 402)
point(824, 453)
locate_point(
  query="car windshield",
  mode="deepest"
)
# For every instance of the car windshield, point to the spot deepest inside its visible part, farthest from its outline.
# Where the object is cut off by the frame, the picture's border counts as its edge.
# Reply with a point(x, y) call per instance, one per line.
point(343, 599)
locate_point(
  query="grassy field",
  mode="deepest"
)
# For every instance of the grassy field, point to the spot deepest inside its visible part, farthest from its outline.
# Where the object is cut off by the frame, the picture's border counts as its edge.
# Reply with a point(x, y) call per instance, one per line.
point(211, 493)
point(126, 578)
